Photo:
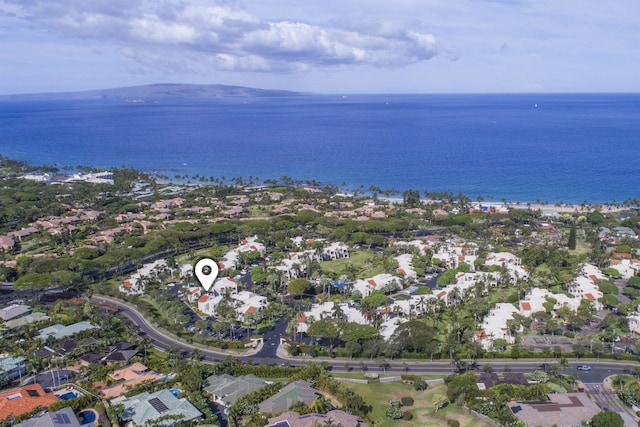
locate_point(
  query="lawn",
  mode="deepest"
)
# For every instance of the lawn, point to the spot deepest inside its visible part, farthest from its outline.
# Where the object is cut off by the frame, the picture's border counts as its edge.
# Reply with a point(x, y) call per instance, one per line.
point(377, 396)
point(359, 259)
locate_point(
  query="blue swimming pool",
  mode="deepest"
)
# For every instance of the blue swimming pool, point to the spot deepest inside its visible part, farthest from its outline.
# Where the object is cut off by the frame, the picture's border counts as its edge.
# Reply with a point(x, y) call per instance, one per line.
point(176, 392)
point(68, 395)
point(86, 417)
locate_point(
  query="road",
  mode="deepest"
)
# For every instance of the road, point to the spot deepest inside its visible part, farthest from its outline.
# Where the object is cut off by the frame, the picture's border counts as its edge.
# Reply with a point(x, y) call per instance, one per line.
point(267, 354)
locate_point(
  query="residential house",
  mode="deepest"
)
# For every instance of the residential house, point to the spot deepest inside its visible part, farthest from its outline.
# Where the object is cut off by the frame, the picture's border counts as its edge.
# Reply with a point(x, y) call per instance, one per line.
point(60, 331)
point(64, 417)
point(12, 367)
point(121, 352)
point(129, 377)
point(6, 243)
point(229, 389)
point(24, 233)
point(14, 310)
point(335, 417)
point(22, 400)
point(297, 391)
point(161, 406)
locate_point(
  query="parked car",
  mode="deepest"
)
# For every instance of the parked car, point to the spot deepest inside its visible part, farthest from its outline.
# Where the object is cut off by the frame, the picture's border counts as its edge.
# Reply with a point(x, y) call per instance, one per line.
point(584, 368)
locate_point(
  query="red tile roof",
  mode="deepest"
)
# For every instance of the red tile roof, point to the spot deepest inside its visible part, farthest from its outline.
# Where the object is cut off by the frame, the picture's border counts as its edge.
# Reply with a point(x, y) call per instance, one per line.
point(622, 255)
point(441, 294)
point(525, 306)
point(25, 399)
point(593, 277)
point(301, 318)
point(401, 271)
point(203, 298)
point(590, 297)
point(481, 334)
point(372, 282)
point(460, 257)
point(126, 284)
point(251, 309)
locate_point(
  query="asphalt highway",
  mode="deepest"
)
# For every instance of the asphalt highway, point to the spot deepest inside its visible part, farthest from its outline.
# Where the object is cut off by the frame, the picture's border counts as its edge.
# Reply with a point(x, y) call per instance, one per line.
point(268, 354)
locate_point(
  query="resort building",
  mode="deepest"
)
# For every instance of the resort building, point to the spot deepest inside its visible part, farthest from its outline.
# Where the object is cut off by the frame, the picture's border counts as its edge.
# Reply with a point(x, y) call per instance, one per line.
point(494, 325)
point(379, 282)
point(512, 263)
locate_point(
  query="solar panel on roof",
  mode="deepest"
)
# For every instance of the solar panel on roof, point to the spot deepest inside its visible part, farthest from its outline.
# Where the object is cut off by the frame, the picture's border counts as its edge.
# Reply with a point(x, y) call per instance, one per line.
point(158, 405)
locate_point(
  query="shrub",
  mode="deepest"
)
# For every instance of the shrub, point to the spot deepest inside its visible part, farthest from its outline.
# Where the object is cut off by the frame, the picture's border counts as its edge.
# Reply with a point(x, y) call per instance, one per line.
point(409, 377)
point(394, 412)
point(453, 423)
point(395, 403)
point(420, 385)
point(406, 400)
point(406, 415)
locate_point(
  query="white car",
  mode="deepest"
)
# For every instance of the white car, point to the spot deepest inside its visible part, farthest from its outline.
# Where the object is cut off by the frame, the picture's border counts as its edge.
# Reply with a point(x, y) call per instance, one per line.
point(584, 368)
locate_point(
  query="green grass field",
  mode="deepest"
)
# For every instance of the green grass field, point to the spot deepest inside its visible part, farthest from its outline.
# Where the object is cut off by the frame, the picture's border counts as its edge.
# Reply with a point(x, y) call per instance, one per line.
point(377, 395)
point(359, 259)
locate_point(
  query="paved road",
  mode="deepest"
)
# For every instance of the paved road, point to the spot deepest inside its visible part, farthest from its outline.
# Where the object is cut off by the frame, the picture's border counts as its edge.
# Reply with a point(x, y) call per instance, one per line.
point(267, 354)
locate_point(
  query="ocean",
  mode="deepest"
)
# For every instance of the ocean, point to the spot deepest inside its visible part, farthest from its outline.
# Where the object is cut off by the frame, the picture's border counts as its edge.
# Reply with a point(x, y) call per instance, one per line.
point(531, 147)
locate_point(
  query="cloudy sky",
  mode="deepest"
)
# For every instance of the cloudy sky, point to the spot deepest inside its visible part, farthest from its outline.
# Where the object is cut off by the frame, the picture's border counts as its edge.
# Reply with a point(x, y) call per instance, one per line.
point(328, 46)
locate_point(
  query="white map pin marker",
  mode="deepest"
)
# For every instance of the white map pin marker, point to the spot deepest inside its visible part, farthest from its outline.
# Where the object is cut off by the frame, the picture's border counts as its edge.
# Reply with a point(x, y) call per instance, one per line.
point(206, 271)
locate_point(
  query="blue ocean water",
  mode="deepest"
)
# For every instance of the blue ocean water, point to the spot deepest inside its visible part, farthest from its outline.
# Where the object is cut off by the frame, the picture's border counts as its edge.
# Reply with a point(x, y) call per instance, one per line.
point(556, 148)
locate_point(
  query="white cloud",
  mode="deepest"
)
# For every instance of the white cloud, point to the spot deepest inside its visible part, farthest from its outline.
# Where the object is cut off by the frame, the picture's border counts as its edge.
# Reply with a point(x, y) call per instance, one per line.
point(224, 34)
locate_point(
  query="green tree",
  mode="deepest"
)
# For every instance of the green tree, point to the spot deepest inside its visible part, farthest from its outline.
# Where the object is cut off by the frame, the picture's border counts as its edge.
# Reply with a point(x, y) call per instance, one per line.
point(439, 401)
point(299, 287)
point(325, 328)
point(571, 244)
point(607, 419)
point(35, 282)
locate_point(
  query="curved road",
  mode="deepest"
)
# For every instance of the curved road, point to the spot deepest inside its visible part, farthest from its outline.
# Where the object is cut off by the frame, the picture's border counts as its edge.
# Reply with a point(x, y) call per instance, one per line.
point(267, 354)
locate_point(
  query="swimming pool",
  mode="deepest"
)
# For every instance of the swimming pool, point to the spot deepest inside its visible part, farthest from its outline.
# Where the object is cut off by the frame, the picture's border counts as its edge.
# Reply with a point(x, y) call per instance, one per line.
point(87, 416)
point(176, 392)
point(68, 395)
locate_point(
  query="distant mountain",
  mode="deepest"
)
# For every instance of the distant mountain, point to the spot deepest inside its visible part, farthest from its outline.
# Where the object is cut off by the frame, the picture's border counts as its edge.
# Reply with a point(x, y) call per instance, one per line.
point(149, 93)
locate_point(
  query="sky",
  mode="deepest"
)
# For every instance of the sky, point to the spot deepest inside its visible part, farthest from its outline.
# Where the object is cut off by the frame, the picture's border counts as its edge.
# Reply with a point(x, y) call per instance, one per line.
point(328, 46)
